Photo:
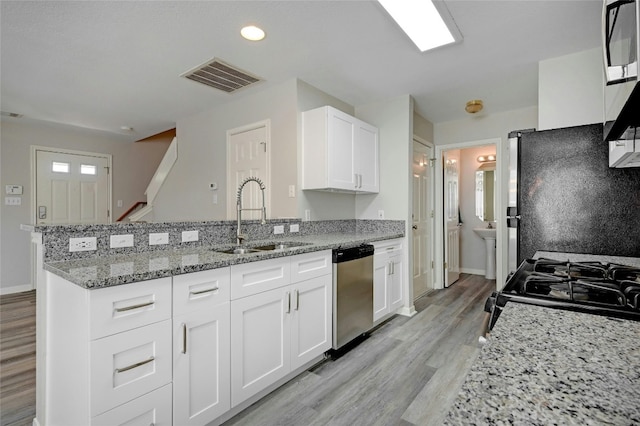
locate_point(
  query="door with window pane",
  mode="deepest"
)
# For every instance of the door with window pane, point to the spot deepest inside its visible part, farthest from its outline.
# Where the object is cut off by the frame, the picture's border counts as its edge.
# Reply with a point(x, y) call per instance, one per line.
point(71, 188)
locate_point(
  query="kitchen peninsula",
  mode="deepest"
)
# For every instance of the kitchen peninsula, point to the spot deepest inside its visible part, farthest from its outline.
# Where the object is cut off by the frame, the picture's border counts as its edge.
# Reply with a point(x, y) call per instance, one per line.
point(184, 333)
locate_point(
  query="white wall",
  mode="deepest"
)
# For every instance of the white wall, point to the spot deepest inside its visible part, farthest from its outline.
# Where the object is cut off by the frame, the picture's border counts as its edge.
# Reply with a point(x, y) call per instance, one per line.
point(202, 156)
point(570, 90)
point(133, 167)
point(472, 247)
point(422, 127)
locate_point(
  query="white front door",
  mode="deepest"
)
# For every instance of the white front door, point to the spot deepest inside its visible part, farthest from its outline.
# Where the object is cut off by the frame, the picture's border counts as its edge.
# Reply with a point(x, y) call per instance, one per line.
point(451, 218)
point(247, 156)
point(421, 215)
point(71, 188)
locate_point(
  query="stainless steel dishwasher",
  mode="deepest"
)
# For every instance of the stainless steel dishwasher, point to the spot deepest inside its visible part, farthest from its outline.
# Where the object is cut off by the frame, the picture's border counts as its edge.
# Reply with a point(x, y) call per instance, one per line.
point(352, 293)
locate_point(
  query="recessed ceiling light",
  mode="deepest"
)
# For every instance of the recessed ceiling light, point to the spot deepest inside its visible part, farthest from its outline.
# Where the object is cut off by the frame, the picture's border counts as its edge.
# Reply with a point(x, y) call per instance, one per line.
point(421, 21)
point(126, 128)
point(253, 33)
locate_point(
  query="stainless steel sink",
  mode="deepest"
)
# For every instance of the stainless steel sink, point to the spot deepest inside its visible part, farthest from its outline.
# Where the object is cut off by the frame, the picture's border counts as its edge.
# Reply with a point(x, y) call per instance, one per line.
point(238, 250)
point(262, 248)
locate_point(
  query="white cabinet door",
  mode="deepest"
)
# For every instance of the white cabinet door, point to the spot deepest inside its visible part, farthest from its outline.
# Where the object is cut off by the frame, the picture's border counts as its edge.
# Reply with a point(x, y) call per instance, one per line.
point(201, 362)
point(341, 150)
point(367, 158)
point(260, 342)
point(311, 319)
point(396, 287)
point(380, 286)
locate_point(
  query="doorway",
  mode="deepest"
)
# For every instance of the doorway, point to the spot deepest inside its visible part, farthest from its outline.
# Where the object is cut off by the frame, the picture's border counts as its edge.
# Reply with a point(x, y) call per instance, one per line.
point(70, 186)
point(422, 217)
point(456, 209)
point(248, 150)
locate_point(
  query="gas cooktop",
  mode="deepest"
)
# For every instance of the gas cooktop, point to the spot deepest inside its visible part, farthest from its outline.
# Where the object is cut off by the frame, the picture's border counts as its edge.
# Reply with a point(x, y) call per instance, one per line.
point(592, 287)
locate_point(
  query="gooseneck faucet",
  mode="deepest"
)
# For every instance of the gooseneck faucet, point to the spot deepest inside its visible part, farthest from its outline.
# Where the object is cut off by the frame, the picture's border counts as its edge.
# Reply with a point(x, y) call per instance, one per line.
point(239, 236)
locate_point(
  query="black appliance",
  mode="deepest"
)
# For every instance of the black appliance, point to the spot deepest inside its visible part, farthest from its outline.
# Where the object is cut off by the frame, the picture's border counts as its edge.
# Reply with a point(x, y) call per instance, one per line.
point(592, 287)
point(563, 197)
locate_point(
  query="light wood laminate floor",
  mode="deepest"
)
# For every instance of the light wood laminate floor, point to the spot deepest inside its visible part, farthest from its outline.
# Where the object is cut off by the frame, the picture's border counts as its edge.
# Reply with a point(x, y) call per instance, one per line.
point(407, 373)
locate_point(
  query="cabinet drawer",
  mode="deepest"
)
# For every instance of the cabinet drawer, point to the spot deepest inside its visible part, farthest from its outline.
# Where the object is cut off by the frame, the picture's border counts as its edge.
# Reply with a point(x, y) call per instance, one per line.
point(389, 247)
point(256, 277)
point(124, 307)
point(200, 290)
point(310, 265)
point(127, 365)
point(153, 408)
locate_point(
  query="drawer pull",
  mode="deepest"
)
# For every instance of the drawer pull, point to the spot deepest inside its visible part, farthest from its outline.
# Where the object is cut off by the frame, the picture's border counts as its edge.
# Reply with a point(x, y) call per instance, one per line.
point(136, 365)
point(288, 295)
point(296, 298)
point(129, 308)
point(209, 290)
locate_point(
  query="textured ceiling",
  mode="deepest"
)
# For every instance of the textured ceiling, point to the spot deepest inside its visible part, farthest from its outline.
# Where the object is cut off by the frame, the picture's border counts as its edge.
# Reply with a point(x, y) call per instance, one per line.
point(106, 64)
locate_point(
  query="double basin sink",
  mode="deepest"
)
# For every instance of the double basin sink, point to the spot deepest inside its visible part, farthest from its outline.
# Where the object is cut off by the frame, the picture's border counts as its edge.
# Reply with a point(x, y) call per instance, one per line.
point(262, 248)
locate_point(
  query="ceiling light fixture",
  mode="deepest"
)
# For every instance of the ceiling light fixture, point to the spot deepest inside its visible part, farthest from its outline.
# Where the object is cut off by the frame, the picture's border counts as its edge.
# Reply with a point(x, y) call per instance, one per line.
point(486, 158)
point(474, 106)
point(421, 21)
point(126, 128)
point(252, 33)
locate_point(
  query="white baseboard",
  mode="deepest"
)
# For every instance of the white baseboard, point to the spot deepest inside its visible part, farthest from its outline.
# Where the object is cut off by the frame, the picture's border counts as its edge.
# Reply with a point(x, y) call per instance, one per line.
point(407, 311)
point(15, 289)
point(472, 271)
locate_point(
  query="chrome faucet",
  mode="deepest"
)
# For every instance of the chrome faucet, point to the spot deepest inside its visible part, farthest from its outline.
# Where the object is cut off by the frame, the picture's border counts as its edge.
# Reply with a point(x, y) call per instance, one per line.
point(239, 235)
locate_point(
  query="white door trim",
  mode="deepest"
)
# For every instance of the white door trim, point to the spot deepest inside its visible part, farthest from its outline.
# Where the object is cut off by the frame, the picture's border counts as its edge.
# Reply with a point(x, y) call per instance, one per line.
point(267, 180)
point(33, 151)
point(501, 198)
point(431, 146)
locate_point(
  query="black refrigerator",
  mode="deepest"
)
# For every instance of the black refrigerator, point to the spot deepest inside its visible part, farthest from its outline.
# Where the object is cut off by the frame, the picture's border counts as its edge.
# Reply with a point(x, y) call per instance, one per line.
point(564, 197)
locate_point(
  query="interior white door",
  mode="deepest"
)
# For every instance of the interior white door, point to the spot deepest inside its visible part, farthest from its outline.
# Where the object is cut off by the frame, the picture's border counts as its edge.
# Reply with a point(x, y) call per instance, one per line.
point(421, 219)
point(451, 218)
point(71, 188)
point(247, 155)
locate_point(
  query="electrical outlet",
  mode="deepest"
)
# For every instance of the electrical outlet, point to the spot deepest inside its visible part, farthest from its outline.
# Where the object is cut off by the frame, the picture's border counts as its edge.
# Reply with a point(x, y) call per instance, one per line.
point(189, 236)
point(380, 214)
point(119, 241)
point(292, 191)
point(158, 238)
point(82, 244)
point(278, 229)
point(307, 215)
point(294, 227)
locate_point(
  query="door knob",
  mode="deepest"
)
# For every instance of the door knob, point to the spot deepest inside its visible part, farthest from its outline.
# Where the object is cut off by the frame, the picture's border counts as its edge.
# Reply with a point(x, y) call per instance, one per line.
point(415, 227)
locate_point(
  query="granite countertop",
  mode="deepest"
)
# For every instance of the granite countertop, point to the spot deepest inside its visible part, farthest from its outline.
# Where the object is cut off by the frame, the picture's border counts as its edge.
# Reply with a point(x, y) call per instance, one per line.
point(545, 366)
point(101, 272)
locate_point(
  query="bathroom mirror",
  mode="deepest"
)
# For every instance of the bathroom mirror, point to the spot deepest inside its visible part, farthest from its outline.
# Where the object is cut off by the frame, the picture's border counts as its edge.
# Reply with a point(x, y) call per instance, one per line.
point(485, 200)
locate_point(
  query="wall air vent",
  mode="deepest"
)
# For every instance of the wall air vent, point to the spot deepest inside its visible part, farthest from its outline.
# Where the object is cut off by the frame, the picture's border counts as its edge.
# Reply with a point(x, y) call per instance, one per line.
point(221, 76)
point(10, 114)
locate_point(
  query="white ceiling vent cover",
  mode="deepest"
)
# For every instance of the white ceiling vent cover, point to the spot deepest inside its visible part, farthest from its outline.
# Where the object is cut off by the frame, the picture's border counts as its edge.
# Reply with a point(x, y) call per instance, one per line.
point(221, 76)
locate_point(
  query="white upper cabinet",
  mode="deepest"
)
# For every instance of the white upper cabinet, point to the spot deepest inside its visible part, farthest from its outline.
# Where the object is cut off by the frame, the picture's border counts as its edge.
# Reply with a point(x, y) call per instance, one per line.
point(339, 152)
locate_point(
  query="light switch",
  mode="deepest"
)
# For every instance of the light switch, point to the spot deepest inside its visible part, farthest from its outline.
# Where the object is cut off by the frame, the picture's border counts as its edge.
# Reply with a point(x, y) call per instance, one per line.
point(278, 229)
point(118, 241)
point(188, 236)
point(158, 238)
point(13, 189)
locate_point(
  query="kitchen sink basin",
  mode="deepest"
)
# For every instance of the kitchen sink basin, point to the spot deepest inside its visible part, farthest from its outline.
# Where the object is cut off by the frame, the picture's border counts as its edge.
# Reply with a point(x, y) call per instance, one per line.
point(262, 248)
point(239, 250)
point(280, 246)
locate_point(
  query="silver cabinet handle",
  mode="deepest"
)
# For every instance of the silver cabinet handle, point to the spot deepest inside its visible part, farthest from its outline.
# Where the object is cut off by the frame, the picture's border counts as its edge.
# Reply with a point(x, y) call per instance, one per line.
point(296, 299)
point(288, 303)
point(136, 365)
point(209, 290)
point(129, 308)
point(389, 265)
point(359, 181)
point(184, 338)
point(355, 175)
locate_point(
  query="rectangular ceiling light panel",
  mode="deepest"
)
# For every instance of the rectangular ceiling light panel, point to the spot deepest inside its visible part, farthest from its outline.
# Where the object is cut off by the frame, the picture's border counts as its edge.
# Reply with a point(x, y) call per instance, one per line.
point(221, 76)
point(421, 21)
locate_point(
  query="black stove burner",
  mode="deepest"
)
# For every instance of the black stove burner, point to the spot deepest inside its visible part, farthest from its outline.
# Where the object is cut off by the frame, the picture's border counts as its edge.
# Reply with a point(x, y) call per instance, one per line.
point(593, 287)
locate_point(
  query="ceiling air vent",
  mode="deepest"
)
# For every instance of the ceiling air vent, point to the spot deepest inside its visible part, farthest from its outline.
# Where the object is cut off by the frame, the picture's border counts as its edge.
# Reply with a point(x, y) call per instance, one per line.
point(221, 76)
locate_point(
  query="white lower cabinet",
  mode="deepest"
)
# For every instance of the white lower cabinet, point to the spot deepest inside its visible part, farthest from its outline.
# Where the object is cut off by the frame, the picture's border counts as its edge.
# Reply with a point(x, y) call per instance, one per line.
point(388, 282)
point(274, 332)
point(201, 347)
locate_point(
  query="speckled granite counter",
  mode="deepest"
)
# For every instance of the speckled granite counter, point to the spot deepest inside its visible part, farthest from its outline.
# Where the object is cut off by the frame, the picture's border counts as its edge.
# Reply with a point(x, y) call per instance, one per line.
point(114, 270)
point(551, 367)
